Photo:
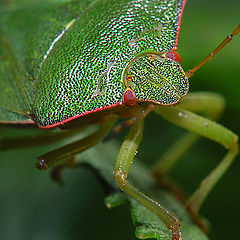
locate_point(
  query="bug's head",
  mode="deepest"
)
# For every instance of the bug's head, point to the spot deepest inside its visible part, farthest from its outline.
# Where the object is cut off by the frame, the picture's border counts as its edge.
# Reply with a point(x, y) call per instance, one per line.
point(154, 77)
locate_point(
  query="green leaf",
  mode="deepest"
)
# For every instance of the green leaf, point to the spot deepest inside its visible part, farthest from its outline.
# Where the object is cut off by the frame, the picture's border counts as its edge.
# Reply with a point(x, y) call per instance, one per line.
point(147, 224)
point(211, 78)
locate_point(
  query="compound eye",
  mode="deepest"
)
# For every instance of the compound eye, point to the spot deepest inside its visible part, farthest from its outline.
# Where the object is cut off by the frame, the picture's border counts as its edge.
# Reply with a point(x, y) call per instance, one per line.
point(129, 98)
point(173, 56)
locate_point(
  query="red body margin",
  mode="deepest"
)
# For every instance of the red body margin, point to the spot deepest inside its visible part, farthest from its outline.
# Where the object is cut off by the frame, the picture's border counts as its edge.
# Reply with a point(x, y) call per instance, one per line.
point(31, 123)
point(120, 103)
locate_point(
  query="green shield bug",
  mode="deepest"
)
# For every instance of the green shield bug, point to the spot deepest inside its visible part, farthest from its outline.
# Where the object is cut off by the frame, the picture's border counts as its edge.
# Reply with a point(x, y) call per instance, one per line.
point(98, 60)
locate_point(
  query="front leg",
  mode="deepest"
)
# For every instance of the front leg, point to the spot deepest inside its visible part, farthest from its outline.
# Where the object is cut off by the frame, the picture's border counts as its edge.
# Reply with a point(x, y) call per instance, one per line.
point(208, 129)
point(123, 163)
point(207, 104)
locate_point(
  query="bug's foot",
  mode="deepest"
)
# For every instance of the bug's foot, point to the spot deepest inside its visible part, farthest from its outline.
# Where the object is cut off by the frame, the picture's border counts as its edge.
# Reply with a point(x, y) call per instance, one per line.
point(176, 234)
point(41, 164)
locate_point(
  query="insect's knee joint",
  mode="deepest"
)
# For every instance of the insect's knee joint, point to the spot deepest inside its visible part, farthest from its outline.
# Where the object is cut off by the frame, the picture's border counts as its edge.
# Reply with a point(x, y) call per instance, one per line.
point(41, 164)
point(235, 143)
point(235, 140)
point(120, 177)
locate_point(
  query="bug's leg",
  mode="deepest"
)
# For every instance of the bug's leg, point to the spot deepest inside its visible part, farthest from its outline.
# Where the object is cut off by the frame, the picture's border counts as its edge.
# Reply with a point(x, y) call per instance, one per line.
point(56, 171)
point(127, 123)
point(62, 155)
point(208, 129)
point(123, 163)
point(198, 103)
point(108, 189)
point(30, 141)
point(163, 166)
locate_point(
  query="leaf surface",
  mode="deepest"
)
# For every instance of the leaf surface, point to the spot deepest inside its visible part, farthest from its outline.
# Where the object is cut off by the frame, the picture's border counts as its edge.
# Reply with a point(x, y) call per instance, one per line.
point(147, 224)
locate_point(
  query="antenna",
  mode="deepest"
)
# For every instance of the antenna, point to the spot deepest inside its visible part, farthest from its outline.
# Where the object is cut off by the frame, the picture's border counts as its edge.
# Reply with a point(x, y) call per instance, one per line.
point(228, 39)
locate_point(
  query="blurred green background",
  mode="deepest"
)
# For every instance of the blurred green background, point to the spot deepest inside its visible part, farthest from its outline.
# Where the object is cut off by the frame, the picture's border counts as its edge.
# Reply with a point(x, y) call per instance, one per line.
point(33, 207)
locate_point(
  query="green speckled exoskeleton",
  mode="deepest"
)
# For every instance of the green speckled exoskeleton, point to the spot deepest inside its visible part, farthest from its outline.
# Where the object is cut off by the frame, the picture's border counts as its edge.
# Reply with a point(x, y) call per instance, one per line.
point(90, 62)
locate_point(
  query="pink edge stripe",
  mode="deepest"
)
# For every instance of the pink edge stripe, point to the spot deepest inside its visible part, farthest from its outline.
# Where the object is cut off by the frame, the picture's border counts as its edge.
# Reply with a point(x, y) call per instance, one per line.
point(78, 116)
point(120, 103)
point(179, 24)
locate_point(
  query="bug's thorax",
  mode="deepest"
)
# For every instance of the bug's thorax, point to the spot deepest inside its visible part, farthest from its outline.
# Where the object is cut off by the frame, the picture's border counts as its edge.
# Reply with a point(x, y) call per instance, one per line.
point(154, 77)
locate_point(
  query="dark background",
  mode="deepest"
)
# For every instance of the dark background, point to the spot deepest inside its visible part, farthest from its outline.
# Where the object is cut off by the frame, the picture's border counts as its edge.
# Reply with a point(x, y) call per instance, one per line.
point(33, 207)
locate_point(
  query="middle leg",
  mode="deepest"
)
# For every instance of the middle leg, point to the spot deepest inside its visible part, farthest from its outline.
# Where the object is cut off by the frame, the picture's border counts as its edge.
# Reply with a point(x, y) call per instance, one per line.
point(122, 167)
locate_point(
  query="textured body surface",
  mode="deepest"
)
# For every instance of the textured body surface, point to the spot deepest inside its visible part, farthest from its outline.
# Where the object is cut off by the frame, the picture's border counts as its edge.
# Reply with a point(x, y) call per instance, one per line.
point(157, 79)
point(78, 65)
point(49, 69)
